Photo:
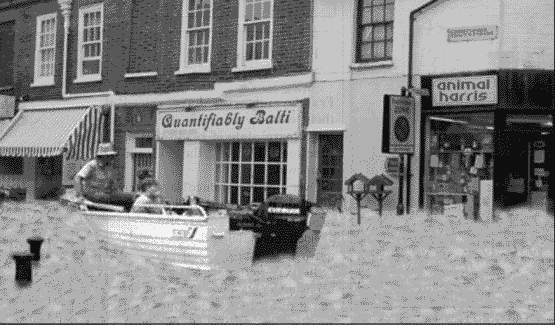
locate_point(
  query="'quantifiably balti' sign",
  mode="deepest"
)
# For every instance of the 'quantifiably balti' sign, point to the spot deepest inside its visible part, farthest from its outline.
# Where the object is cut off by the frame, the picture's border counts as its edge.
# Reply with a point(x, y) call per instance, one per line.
point(477, 90)
point(468, 34)
point(228, 122)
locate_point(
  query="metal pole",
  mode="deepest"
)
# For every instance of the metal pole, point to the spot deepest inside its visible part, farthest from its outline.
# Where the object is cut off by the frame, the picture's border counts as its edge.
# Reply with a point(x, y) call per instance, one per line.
point(409, 175)
point(400, 205)
point(358, 208)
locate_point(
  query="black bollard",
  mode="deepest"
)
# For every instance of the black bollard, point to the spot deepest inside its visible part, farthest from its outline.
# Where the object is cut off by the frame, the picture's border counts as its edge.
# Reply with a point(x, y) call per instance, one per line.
point(23, 270)
point(34, 247)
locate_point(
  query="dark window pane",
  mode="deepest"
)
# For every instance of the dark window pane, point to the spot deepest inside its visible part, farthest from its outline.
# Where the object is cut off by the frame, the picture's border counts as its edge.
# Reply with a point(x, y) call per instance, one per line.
point(246, 154)
point(284, 190)
point(191, 20)
point(266, 49)
point(258, 194)
point(205, 54)
point(206, 16)
point(367, 15)
point(248, 52)
point(377, 14)
point(259, 173)
point(250, 33)
point(366, 51)
point(258, 31)
point(389, 10)
point(284, 145)
point(284, 176)
point(192, 4)
point(274, 151)
point(273, 174)
point(272, 191)
point(235, 151)
point(259, 151)
point(225, 156)
point(234, 195)
point(246, 173)
point(245, 195)
point(234, 174)
point(258, 51)
point(198, 19)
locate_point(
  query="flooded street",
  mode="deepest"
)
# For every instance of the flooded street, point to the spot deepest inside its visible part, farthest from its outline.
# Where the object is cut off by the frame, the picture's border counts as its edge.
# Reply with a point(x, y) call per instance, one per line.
point(414, 269)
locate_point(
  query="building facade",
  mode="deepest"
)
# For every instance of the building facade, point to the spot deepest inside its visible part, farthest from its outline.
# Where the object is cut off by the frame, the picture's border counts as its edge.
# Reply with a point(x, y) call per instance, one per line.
point(116, 67)
point(489, 73)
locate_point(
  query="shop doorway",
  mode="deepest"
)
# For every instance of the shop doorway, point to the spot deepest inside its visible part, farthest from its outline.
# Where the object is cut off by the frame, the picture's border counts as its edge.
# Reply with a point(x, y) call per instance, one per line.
point(330, 170)
point(48, 177)
point(527, 153)
point(143, 166)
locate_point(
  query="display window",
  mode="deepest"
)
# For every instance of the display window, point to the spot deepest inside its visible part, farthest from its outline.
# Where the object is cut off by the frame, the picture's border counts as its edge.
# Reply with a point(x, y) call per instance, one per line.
point(459, 156)
point(250, 171)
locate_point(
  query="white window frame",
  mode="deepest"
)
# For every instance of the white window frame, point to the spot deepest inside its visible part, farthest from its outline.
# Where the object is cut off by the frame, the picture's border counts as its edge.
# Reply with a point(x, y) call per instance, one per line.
point(184, 66)
point(80, 52)
point(242, 64)
point(220, 163)
point(38, 79)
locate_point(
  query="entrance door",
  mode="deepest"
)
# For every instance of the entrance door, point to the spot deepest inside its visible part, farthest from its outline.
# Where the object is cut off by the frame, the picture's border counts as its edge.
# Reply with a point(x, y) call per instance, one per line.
point(330, 170)
point(48, 180)
point(143, 164)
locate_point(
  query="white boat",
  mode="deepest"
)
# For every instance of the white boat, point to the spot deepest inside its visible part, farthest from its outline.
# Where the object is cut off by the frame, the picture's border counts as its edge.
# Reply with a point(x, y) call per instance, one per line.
point(194, 239)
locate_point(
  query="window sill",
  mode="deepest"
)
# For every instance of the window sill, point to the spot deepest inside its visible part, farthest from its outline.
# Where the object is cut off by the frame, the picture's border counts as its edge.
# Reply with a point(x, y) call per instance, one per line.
point(372, 65)
point(205, 68)
point(91, 78)
point(252, 67)
point(140, 74)
point(42, 83)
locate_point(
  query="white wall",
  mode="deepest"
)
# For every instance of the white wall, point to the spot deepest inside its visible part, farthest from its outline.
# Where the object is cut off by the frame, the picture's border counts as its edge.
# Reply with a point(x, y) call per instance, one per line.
point(434, 55)
point(26, 181)
point(169, 169)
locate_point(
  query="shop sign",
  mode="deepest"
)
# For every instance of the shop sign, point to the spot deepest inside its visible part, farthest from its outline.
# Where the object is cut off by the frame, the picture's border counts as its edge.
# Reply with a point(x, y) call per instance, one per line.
point(457, 91)
point(398, 124)
point(392, 166)
point(226, 122)
point(469, 34)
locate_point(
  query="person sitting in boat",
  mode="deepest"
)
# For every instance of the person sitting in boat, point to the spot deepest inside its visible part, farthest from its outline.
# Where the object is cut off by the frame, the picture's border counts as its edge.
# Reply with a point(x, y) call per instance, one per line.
point(150, 194)
point(95, 181)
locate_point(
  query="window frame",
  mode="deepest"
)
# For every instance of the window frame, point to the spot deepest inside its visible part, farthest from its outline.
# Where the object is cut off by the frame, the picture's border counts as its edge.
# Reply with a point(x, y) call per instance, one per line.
point(359, 27)
point(82, 11)
point(242, 63)
point(184, 66)
point(222, 188)
point(38, 79)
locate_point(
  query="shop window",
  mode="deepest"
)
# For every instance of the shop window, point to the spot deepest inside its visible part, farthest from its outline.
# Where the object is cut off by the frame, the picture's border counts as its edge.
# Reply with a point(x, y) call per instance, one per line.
point(250, 172)
point(11, 165)
point(459, 155)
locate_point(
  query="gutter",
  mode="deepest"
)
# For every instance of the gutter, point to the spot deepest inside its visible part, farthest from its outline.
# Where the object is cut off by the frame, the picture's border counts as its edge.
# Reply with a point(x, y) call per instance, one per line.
point(65, 6)
point(411, 39)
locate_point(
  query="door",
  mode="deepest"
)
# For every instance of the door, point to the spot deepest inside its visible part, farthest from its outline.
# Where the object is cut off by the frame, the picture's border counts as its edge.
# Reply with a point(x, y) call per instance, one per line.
point(143, 164)
point(514, 178)
point(330, 170)
point(48, 180)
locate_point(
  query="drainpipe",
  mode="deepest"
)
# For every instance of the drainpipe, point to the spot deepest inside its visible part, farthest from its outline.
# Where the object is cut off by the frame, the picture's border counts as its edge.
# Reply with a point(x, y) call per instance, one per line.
point(65, 6)
point(410, 85)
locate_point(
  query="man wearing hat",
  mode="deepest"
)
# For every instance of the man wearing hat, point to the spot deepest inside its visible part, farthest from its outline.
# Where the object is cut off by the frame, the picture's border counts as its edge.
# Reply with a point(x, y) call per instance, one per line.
point(95, 181)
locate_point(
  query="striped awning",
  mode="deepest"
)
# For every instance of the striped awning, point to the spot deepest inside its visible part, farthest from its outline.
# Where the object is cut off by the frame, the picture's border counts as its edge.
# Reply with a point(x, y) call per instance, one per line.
point(47, 132)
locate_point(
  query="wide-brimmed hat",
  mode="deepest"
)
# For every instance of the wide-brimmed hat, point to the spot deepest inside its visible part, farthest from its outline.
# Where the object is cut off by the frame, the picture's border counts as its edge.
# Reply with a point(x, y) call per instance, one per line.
point(106, 149)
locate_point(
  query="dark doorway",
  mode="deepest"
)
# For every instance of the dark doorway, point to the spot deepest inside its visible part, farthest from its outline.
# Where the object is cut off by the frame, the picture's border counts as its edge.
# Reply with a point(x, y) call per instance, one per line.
point(48, 180)
point(330, 170)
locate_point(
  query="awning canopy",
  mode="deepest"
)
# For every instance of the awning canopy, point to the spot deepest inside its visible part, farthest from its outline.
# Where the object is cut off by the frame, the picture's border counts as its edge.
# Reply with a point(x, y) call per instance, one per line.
point(47, 132)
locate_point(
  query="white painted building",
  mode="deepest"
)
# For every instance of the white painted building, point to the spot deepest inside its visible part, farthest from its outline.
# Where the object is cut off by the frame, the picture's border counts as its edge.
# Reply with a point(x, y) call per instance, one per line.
point(511, 40)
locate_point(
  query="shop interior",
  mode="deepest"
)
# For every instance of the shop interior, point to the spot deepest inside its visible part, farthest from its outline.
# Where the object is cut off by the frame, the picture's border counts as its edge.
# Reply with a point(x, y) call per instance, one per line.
point(459, 162)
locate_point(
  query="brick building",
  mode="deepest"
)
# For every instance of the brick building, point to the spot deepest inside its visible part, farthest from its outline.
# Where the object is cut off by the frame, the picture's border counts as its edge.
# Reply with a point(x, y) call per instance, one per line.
point(373, 47)
point(86, 71)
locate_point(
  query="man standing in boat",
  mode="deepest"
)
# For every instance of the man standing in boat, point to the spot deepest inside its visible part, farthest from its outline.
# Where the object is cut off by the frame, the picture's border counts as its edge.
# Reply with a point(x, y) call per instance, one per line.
point(95, 181)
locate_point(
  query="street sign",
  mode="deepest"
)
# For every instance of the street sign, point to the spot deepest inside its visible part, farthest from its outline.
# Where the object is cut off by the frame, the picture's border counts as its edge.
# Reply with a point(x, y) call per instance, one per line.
point(398, 124)
point(392, 166)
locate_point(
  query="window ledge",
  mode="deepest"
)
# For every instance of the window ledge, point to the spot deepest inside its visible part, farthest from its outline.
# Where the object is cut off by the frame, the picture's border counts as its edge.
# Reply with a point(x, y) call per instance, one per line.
point(91, 78)
point(372, 65)
point(252, 67)
point(205, 68)
point(140, 74)
point(42, 83)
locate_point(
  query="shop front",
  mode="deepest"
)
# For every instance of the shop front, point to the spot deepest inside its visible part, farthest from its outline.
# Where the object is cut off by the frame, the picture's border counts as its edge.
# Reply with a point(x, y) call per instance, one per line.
point(486, 142)
point(237, 154)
